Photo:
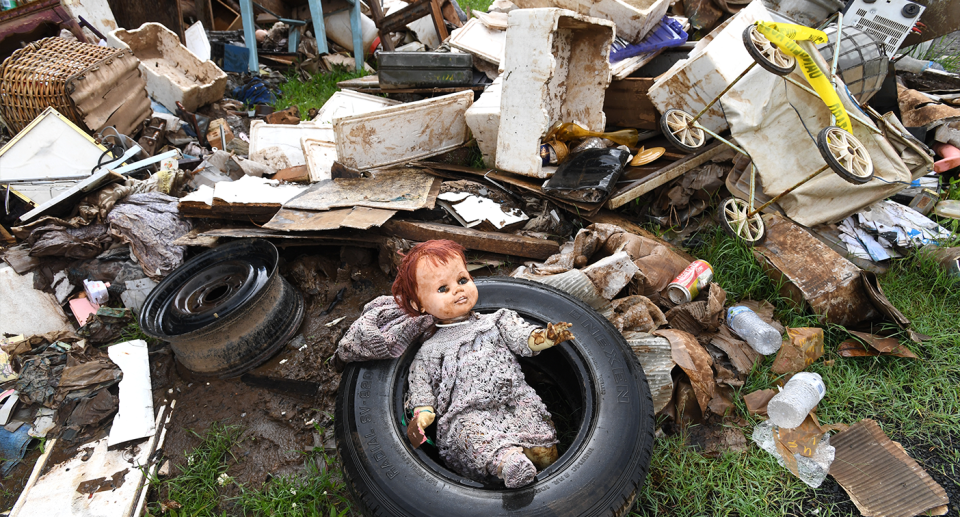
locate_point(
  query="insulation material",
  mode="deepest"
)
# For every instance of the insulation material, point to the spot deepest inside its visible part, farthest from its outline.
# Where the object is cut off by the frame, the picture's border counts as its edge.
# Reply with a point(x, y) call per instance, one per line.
point(383, 137)
point(762, 111)
point(557, 71)
point(656, 359)
point(25, 310)
point(634, 18)
point(250, 189)
point(150, 222)
point(714, 63)
point(173, 73)
point(135, 417)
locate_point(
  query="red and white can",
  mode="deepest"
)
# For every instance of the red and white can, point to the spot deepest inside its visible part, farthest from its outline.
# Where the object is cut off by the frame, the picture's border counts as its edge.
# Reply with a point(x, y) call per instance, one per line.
point(688, 284)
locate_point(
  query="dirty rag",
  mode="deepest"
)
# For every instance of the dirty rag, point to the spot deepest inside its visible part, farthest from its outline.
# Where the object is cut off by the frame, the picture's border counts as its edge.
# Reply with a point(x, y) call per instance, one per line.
point(150, 222)
point(12, 448)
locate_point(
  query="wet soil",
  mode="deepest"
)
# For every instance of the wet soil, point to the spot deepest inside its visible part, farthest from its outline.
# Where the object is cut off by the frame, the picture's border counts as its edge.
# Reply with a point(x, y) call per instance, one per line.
point(277, 425)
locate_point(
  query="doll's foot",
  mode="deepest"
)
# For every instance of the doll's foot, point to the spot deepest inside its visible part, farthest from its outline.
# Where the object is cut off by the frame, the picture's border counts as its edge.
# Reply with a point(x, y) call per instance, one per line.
point(517, 470)
point(542, 457)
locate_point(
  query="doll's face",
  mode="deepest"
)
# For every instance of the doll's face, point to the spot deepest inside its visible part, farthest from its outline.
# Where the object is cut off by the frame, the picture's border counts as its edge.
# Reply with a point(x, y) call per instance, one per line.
point(446, 291)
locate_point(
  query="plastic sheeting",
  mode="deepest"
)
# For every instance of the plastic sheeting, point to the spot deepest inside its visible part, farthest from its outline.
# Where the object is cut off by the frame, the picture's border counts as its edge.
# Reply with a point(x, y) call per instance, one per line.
point(778, 122)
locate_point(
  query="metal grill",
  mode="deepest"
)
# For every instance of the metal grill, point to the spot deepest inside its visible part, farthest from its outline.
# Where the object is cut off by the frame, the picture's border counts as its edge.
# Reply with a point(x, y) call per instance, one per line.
point(885, 21)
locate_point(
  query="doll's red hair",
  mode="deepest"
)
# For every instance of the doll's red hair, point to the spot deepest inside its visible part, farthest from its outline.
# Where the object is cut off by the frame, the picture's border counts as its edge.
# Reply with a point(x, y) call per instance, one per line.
point(438, 251)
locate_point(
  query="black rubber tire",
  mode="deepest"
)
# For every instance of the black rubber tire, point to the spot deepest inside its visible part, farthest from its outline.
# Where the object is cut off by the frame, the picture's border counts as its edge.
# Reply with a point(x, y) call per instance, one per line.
point(600, 473)
point(761, 59)
point(835, 165)
point(239, 329)
point(732, 232)
point(674, 141)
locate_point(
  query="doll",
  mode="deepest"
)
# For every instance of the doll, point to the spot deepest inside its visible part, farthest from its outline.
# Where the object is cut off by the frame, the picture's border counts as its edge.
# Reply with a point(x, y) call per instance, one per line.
point(491, 423)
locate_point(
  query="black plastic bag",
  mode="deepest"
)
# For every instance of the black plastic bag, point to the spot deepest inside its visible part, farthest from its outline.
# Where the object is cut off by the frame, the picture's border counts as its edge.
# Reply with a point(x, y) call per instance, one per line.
point(589, 176)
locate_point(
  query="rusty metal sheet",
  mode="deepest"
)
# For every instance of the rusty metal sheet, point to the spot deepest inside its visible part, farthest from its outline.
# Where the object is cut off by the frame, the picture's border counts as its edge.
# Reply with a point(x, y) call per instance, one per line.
point(879, 476)
point(814, 274)
point(360, 218)
point(404, 189)
point(656, 359)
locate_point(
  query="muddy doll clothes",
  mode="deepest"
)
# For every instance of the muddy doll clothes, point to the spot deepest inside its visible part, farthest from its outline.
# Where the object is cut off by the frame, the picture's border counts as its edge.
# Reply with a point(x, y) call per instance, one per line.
point(485, 409)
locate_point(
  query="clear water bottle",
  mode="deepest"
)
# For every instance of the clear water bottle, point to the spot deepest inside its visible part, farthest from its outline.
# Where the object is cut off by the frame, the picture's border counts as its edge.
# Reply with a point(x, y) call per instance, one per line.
point(799, 396)
point(757, 333)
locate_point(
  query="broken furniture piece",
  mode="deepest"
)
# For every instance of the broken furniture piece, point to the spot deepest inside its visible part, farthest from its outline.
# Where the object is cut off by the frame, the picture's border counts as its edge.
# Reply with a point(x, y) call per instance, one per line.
point(556, 69)
point(397, 21)
point(93, 86)
point(173, 73)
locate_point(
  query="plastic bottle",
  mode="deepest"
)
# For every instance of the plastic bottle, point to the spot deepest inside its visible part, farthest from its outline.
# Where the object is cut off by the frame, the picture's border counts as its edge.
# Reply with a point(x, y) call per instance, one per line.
point(801, 394)
point(757, 333)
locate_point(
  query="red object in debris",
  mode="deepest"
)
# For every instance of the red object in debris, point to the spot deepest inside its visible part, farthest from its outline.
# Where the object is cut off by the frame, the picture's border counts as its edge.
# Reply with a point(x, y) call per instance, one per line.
point(951, 157)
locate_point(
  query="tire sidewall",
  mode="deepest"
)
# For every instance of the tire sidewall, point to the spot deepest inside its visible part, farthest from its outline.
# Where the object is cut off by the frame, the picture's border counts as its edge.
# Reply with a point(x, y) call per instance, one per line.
point(599, 475)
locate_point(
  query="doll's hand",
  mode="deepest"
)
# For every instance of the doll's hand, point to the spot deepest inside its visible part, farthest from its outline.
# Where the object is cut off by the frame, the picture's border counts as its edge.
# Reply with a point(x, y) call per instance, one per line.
point(558, 333)
point(422, 418)
point(542, 339)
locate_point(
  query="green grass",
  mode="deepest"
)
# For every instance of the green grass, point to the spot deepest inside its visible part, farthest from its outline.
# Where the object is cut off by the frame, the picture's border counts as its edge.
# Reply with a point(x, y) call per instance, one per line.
point(469, 6)
point(312, 93)
point(915, 399)
point(198, 490)
point(943, 50)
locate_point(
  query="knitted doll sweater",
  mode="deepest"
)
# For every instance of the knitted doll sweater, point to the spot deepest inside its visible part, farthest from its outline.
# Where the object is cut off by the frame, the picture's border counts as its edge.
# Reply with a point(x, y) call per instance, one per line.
point(470, 374)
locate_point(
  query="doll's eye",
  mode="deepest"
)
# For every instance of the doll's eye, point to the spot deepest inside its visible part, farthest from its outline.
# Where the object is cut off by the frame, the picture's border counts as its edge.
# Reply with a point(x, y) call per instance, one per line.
point(464, 280)
point(442, 289)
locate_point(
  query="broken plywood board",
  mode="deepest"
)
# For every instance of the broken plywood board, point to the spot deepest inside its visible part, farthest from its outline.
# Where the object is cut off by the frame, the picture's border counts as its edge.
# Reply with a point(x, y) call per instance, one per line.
point(401, 189)
point(637, 188)
point(880, 477)
point(346, 103)
point(385, 137)
point(506, 244)
point(359, 218)
point(334, 238)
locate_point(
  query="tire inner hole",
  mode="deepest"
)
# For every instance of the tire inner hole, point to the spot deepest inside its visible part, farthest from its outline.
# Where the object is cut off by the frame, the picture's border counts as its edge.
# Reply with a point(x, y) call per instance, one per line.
point(216, 294)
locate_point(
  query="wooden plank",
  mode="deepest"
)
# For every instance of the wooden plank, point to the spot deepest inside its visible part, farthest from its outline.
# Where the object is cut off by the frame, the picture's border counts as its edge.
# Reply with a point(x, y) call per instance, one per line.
point(640, 187)
point(359, 218)
point(608, 217)
point(334, 238)
point(503, 243)
point(626, 104)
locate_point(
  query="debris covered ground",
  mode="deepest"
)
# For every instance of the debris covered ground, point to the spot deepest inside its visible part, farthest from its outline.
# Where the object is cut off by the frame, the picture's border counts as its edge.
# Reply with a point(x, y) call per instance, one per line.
point(200, 198)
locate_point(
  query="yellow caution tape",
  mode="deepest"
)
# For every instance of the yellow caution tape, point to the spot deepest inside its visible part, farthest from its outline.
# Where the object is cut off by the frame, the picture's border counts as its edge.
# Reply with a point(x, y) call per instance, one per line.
point(784, 36)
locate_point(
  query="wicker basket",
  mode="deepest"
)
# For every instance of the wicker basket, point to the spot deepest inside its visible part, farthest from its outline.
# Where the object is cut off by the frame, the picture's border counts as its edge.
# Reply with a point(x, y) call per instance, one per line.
point(56, 71)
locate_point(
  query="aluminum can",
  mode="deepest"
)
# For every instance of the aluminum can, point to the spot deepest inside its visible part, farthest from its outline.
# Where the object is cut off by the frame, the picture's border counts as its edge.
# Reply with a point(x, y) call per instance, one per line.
point(688, 283)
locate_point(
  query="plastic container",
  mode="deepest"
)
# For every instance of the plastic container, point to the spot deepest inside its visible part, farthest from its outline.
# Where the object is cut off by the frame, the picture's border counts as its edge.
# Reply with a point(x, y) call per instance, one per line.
point(801, 394)
point(337, 27)
point(757, 333)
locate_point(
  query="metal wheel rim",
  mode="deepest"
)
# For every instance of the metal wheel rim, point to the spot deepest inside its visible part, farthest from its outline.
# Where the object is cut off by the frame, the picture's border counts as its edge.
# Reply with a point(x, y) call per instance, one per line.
point(849, 152)
point(769, 51)
point(735, 211)
point(680, 128)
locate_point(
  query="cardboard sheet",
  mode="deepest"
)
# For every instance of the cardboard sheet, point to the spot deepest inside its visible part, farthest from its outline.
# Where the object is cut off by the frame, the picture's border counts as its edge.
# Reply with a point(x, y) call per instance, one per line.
point(405, 189)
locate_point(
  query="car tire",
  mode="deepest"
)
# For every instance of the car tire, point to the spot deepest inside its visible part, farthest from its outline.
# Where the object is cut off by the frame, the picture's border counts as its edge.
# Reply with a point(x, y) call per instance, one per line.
point(601, 470)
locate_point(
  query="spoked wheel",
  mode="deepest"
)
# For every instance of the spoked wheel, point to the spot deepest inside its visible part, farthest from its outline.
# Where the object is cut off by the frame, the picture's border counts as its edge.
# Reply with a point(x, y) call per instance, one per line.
point(679, 129)
point(733, 218)
point(846, 155)
point(766, 54)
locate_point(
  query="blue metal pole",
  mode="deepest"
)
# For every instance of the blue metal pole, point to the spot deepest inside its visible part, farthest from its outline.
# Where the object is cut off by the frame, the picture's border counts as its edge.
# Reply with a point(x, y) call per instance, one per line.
point(358, 49)
point(250, 34)
point(319, 30)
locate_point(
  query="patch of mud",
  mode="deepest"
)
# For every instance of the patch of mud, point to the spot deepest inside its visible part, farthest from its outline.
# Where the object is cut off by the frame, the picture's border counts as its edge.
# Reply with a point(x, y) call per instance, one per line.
point(276, 429)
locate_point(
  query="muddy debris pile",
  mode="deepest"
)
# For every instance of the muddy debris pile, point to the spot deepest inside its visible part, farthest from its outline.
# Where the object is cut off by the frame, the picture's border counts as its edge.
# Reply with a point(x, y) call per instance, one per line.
point(185, 240)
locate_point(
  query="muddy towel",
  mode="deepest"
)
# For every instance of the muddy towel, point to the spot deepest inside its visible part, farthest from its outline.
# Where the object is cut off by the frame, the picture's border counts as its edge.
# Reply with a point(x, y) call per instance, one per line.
point(150, 222)
point(383, 331)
